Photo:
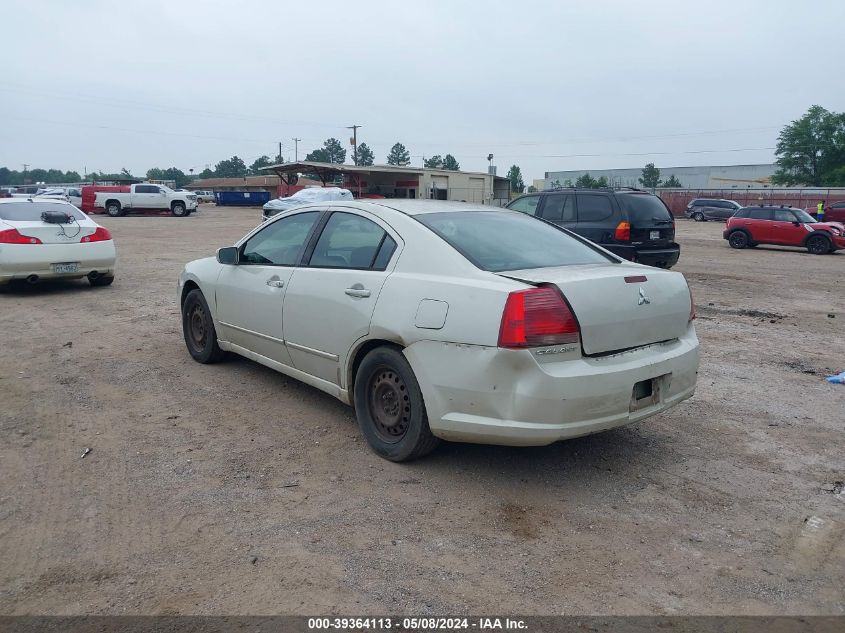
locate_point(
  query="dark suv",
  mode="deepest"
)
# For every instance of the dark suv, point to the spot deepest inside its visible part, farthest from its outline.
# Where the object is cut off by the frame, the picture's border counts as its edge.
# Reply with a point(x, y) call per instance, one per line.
point(633, 224)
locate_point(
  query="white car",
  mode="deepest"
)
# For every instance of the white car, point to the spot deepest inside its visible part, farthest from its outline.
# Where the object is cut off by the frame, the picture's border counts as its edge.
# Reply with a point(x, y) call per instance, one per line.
point(305, 196)
point(68, 245)
point(71, 194)
point(448, 320)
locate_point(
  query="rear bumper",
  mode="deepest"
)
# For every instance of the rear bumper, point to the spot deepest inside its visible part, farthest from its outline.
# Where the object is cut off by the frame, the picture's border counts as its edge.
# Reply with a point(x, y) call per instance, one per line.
point(495, 396)
point(19, 261)
point(664, 257)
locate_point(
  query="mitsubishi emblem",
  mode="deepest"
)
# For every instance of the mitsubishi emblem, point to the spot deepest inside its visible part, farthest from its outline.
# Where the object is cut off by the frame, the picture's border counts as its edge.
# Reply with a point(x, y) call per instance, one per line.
point(643, 299)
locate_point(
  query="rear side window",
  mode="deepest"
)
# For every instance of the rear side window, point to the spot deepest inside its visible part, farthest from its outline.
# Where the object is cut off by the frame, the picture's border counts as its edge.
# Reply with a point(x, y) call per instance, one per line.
point(527, 204)
point(644, 209)
point(348, 241)
point(594, 208)
point(530, 243)
point(31, 211)
point(760, 214)
point(559, 208)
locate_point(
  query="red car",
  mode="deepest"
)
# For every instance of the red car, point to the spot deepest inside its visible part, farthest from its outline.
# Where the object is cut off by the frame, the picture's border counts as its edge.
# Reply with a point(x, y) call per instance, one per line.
point(785, 226)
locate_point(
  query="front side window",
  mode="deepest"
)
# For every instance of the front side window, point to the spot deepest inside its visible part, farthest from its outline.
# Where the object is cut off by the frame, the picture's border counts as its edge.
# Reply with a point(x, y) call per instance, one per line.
point(526, 204)
point(530, 243)
point(784, 215)
point(803, 216)
point(281, 242)
point(593, 208)
point(348, 241)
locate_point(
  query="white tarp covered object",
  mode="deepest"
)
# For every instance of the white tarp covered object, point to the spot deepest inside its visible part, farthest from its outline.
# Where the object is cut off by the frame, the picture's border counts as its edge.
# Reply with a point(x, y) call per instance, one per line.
point(306, 196)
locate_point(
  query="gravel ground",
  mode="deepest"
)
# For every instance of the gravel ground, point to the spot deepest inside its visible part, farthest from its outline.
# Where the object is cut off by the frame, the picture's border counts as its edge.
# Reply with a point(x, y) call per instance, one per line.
point(230, 489)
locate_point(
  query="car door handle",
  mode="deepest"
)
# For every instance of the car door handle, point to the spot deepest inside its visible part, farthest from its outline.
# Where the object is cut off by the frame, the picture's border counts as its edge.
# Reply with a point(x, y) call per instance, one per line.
point(275, 283)
point(356, 291)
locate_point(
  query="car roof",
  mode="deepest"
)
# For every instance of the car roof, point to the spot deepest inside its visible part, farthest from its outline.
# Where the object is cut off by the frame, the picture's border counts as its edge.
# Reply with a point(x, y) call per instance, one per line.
point(34, 198)
point(419, 207)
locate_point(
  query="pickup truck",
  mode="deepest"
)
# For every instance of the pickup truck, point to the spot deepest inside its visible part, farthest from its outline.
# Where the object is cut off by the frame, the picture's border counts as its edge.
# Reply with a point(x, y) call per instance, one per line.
point(146, 197)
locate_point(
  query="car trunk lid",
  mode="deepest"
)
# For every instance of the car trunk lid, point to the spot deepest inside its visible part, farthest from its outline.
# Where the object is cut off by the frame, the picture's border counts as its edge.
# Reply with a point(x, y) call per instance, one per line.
point(54, 233)
point(618, 306)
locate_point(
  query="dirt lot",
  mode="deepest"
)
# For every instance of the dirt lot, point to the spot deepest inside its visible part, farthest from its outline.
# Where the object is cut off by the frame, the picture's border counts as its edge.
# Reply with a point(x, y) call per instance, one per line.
point(232, 489)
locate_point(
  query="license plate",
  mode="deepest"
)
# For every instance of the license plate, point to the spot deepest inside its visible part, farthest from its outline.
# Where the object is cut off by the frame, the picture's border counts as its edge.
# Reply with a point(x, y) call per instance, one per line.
point(71, 267)
point(654, 235)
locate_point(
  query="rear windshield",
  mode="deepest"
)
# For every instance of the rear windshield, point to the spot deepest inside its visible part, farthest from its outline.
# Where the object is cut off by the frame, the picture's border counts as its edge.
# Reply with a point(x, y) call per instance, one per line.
point(498, 241)
point(31, 211)
point(644, 209)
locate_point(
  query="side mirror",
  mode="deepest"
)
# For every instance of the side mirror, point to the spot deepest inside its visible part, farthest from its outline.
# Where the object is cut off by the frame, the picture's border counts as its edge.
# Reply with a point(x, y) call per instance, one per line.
point(162, 192)
point(228, 255)
point(796, 223)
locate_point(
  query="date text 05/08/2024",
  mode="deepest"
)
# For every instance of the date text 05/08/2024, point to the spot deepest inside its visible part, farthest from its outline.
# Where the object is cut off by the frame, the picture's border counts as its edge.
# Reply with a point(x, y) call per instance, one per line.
point(416, 624)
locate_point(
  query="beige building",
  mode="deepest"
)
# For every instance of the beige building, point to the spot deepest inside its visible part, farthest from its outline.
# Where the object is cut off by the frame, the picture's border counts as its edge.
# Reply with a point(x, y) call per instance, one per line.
point(391, 181)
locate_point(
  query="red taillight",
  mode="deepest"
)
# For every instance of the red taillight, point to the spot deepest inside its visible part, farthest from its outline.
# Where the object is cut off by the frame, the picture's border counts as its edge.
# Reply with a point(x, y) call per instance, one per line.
point(537, 317)
point(691, 305)
point(100, 235)
point(11, 236)
point(623, 232)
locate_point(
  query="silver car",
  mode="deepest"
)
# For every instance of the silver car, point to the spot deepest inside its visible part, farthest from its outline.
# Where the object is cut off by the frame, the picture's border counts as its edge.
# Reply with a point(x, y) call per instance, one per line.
point(703, 209)
point(441, 320)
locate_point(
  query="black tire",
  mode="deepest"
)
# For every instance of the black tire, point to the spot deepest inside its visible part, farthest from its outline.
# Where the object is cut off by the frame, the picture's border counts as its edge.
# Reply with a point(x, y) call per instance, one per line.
point(738, 239)
point(178, 209)
point(103, 280)
point(113, 209)
point(198, 329)
point(698, 217)
point(818, 245)
point(390, 408)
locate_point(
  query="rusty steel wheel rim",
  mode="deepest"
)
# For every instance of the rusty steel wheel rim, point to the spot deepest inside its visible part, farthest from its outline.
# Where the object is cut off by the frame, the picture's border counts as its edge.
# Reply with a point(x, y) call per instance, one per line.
point(196, 327)
point(389, 404)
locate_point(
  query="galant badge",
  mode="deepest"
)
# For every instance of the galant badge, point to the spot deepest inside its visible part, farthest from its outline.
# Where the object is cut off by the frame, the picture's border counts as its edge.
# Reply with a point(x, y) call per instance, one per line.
point(643, 298)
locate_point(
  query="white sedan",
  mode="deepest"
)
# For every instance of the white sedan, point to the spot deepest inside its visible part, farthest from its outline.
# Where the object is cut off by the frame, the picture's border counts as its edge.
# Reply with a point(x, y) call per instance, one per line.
point(447, 320)
point(42, 238)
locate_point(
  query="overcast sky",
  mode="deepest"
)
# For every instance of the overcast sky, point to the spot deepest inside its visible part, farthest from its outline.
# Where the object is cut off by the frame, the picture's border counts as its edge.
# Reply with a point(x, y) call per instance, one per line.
point(546, 85)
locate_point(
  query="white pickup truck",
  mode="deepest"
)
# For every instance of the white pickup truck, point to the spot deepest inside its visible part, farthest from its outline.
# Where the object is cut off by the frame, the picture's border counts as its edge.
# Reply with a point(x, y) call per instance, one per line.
point(146, 197)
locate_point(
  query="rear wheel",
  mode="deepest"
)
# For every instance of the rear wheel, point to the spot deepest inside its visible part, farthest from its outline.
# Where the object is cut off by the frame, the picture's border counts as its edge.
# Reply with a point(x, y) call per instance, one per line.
point(738, 239)
point(198, 329)
point(818, 245)
point(389, 407)
point(698, 216)
point(113, 209)
point(178, 209)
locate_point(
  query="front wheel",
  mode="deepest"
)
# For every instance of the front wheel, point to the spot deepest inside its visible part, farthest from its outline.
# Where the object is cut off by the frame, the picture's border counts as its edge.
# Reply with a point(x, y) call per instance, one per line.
point(818, 245)
point(738, 239)
point(198, 329)
point(178, 209)
point(389, 407)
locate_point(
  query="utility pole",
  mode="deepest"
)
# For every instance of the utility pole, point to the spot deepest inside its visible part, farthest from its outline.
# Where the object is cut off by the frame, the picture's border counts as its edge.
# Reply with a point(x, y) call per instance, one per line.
point(25, 165)
point(354, 129)
point(295, 149)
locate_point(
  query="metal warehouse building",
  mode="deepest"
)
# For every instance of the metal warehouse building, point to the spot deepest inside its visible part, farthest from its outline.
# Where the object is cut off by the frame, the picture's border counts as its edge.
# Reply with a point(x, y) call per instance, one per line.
point(391, 181)
point(712, 177)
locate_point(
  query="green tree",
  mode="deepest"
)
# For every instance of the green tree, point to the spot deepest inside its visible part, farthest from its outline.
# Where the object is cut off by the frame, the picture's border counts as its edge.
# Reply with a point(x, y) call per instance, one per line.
point(601, 183)
point(811, 150)
point(399, 156)
point(515, 176)
point(435, 162)
point(331, 152)
point(206, 173)
point(556, 184)
point(566, 183)
point(364, 155)
point(171, 173)
point(262, 161)
point(231, 168)
point(72, 176)
point(650, 177)
point(586, 182)
point(450, 163)
point(125, 173)
point(672, 182)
